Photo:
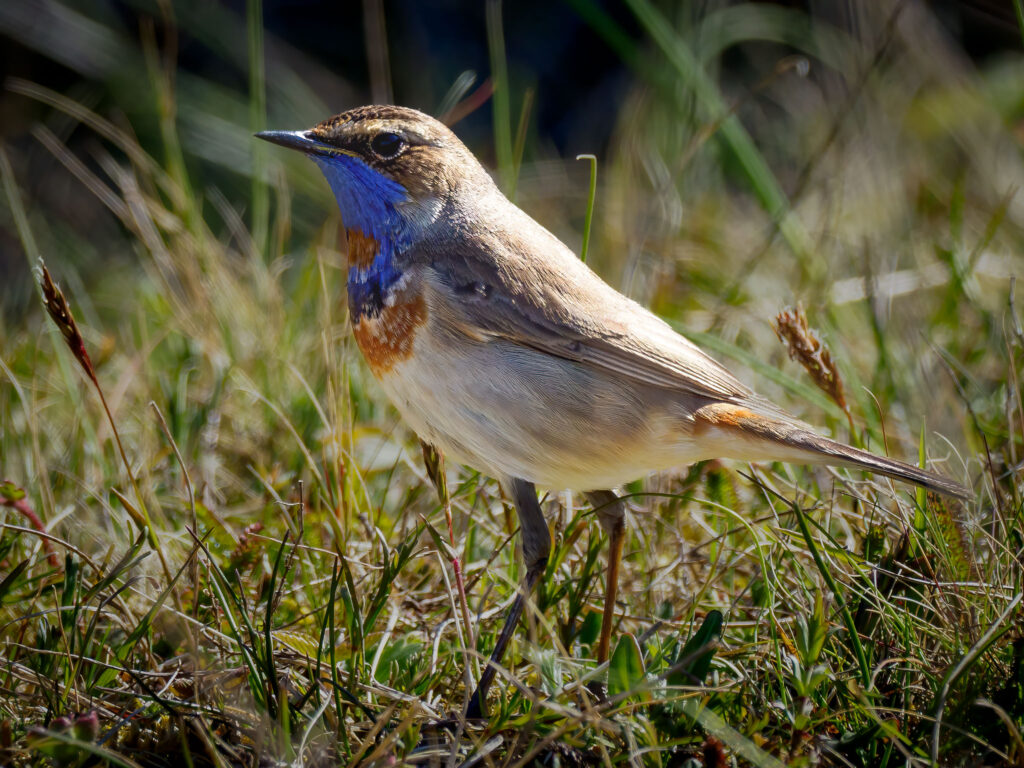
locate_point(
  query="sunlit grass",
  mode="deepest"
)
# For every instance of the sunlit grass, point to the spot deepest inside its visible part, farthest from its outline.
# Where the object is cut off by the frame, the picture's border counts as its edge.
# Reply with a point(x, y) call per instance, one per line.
point(308, 610)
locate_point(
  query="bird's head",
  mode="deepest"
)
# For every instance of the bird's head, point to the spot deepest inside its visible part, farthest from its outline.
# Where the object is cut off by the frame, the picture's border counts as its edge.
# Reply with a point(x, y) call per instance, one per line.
point(392, 169)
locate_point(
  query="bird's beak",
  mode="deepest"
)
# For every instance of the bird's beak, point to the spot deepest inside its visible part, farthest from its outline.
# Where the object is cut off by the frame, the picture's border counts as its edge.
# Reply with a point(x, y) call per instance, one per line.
point(304, 141)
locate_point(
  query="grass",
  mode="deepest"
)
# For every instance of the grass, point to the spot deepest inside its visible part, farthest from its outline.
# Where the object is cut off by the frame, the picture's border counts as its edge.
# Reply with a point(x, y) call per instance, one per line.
point(267, 573)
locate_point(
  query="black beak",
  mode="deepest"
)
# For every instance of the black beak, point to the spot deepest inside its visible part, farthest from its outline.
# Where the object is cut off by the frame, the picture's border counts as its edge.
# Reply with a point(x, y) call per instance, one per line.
point(304, 141)
point(300, 140)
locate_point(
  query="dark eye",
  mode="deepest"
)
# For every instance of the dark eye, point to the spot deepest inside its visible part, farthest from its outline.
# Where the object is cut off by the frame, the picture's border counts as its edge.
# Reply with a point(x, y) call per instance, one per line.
point(387, 145)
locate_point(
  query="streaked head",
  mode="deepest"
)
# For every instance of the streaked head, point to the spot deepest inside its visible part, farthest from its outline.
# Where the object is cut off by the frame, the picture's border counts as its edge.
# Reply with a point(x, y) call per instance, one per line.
point(383, 161)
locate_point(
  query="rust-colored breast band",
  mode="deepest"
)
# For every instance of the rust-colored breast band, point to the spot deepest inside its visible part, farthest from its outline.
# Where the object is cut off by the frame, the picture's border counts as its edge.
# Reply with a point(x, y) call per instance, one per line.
point(387, 339)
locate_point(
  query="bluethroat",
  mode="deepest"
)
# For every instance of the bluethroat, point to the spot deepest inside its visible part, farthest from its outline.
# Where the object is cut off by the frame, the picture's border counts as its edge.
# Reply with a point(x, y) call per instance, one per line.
point(506, 352)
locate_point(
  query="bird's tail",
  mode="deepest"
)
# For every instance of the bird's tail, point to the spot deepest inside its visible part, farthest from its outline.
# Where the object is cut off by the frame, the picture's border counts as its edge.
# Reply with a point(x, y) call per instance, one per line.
point(846, 455)
point(768, 437)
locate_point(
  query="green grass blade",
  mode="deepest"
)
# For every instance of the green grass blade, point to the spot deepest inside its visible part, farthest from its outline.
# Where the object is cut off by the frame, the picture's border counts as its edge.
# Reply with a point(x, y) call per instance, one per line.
point(501, 99)
point(258, 122)
point(851, 628)
point(591, 194)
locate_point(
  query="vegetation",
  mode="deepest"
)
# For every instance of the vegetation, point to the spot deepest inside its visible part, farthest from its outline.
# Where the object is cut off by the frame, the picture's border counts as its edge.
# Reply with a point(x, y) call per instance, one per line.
point(220, 546)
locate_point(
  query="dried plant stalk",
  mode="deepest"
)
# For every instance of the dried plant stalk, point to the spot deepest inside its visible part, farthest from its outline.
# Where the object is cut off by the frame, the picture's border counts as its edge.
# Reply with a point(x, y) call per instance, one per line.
point(60, 312)
point(434, 460)
point(14, 497)
point(807, 348)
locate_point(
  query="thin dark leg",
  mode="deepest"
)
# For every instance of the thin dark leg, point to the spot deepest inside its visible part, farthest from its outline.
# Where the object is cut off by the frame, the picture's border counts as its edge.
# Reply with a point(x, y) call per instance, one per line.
point(611, 512)
point(533, 530)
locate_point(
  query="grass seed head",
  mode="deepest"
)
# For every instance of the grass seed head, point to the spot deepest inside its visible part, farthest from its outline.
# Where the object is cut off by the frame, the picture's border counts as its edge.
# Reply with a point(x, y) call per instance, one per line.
point(60, 312)
point(807, 348)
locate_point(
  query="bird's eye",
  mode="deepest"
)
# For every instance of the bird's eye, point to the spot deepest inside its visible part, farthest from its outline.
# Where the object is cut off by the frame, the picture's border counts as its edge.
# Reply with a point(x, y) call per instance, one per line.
point(387, 145)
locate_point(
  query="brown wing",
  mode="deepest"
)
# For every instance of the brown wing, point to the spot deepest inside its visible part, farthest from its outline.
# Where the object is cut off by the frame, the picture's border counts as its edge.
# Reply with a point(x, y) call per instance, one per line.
point(529, 288)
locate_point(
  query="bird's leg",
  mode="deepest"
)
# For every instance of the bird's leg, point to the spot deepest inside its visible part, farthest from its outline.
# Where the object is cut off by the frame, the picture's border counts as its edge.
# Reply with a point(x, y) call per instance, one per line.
point(533, 531)
point(611, 512)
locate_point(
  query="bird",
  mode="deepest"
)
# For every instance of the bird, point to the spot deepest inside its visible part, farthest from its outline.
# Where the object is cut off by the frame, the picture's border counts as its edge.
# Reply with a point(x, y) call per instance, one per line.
point(505, 351)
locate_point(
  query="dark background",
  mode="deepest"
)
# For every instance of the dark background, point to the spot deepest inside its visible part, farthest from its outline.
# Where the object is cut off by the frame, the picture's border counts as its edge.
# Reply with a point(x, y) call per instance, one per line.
point(577, 80)
point(578, 77)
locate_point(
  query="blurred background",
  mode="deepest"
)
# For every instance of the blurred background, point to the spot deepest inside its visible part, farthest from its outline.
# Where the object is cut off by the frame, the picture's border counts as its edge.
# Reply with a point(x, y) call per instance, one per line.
point(862, 159)
point(582, 76)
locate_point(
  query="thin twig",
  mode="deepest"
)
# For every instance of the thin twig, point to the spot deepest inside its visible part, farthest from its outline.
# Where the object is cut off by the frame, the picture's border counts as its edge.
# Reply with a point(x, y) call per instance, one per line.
point(14, 497)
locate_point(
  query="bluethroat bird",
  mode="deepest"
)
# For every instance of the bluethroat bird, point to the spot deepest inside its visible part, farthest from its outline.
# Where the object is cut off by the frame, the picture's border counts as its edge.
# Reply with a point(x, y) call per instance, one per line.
point(506, 352)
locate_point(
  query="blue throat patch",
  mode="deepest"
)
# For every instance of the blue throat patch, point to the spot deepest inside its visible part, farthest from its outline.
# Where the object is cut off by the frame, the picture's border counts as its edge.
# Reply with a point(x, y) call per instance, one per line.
point(367, 201)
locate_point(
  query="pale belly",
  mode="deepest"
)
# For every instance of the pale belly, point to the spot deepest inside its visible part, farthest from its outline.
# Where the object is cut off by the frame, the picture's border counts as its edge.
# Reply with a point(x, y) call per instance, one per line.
point(512, 412)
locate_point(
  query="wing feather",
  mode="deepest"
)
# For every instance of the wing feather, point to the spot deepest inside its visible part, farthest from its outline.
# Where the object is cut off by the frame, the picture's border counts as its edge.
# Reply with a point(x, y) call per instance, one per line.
point(532, 290)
